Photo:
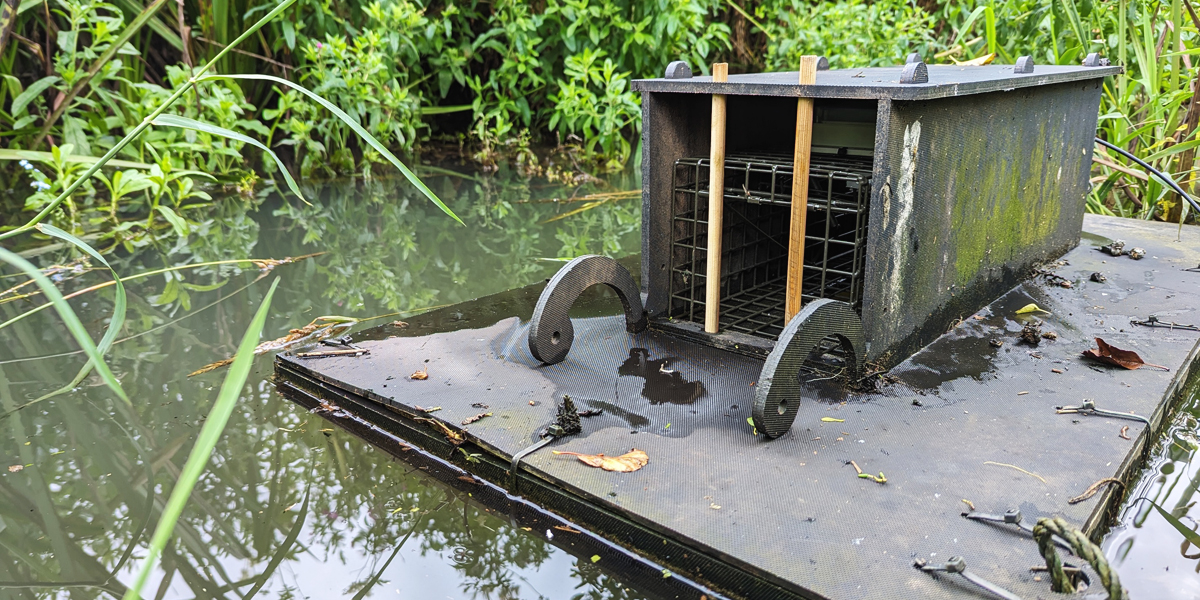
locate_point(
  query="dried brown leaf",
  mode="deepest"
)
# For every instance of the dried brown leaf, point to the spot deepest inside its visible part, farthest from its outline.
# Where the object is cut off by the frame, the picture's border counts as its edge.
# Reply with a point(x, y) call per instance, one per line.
point(15, 468)
point(1112, 355)
point(420, 375)
point(625, 463)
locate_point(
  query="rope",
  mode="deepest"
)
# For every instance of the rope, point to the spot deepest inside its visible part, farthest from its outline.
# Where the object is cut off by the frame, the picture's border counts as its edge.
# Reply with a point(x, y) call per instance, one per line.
point(1083, 547)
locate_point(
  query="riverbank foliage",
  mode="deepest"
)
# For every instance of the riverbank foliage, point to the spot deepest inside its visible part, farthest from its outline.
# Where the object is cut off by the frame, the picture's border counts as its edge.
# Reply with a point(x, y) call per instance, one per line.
point(542, 86)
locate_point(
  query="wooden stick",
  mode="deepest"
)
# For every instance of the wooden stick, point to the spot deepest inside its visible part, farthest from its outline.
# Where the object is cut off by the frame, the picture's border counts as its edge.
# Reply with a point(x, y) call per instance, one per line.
point(804, 120)
point(716, 204)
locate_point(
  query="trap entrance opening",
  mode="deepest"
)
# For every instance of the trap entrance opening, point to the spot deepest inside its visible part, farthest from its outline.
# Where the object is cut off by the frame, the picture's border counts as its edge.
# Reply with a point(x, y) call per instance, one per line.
point(757, 217)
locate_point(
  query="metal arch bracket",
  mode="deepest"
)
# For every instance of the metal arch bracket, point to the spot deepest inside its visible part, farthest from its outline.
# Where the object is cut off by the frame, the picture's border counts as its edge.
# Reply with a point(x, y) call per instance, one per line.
point(551, 332)
point(777, 393)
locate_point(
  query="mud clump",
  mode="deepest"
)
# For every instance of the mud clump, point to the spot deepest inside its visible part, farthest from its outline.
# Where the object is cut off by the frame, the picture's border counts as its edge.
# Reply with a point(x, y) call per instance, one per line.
point(568, 417)
point(1031, 333)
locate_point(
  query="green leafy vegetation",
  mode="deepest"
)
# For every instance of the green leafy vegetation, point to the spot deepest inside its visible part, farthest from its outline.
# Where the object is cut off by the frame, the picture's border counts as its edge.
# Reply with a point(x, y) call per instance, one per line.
point(540, 87)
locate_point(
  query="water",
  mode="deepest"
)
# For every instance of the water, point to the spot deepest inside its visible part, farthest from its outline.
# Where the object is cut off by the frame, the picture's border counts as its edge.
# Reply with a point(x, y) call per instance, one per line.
point(86, 478)
point(81, 495)
point(1150, 556)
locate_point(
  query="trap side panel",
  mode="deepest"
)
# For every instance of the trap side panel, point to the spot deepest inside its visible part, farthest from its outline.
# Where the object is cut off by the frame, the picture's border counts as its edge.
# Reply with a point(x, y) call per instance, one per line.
point(673, 126)
point(972, 193)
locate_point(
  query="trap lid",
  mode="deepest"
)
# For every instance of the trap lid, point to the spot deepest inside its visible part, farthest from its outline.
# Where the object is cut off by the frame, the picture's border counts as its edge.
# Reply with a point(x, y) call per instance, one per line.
point(881, 82)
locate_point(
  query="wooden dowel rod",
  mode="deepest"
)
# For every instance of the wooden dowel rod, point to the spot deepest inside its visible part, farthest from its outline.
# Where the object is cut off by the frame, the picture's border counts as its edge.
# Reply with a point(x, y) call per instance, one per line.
point(716, 204)
point(800, 162)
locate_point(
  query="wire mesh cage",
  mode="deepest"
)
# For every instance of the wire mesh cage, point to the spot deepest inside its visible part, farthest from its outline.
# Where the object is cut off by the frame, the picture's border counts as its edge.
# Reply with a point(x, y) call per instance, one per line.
point(757, 196)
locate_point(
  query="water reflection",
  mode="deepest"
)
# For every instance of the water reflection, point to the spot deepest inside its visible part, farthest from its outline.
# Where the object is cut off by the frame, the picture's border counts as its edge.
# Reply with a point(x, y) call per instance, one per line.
point(1151, 557)
point(289, 506)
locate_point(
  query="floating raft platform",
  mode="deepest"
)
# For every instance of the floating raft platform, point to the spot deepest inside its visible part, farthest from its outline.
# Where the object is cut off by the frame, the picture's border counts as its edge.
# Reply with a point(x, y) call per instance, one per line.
point(722, 512)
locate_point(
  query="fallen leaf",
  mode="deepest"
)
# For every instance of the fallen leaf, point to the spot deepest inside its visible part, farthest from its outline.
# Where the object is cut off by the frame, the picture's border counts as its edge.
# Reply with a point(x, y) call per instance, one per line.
point(566, 529)
point(420, 375)
point(978, 61)
point(625, 463)
point(595, 558)
point(832, 420)
point(1112, 355)
point(15, 468)
point(714, 506)
point(1031, 308)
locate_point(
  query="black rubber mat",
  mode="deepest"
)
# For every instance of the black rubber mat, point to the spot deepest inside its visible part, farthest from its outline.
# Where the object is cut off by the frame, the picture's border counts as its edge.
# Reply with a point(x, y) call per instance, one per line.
point(963, 419)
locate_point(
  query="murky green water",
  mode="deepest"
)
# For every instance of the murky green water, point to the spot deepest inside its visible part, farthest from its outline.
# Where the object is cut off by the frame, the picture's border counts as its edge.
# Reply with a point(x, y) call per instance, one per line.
point(93, 476)
point(86, 478)
point(1151, 557)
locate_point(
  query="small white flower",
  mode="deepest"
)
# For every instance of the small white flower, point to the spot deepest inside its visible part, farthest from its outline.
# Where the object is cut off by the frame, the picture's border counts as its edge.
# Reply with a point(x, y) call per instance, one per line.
point(25, 164)
point(39, 185)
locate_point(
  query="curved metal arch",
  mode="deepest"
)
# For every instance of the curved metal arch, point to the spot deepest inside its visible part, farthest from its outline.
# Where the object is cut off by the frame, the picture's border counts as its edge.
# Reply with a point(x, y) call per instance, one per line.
point(551, 333)
point(777, 393)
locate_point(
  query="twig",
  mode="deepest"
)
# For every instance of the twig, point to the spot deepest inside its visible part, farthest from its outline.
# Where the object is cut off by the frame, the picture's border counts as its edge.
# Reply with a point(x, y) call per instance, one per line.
point(325, 353)
point(1091, 491)
point(877, 479)
point(1124, 433)
point(239, 51)
point(469, 420)
point(998, 464)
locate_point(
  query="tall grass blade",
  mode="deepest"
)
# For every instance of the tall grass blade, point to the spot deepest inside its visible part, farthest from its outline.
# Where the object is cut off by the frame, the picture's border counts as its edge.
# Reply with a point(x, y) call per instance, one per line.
point(1188, 534)
point(353, 123)
point(186, 123)
point(263, 264)
point(966, 27)
point(114, 325)
point(214, 425)
point(156, 24)
point(69, 318)
point(127, 34)
point(46, 157)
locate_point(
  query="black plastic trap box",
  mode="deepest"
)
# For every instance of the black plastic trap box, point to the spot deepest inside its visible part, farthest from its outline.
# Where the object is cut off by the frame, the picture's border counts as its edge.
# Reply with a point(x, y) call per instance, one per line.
point(926, 200)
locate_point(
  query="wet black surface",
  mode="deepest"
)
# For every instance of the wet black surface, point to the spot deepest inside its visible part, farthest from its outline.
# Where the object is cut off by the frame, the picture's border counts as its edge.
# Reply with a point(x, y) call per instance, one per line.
point(662, 385)
point(961, 414)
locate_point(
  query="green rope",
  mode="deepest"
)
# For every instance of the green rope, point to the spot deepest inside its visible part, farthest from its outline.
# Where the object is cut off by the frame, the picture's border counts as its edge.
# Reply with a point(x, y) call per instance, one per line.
point(1044, 531)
